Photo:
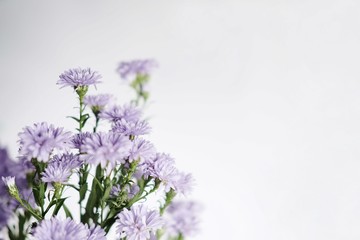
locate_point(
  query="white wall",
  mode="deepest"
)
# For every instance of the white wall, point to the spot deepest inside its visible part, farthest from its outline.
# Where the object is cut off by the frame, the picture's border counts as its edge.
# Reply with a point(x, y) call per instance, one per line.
point(260, 100)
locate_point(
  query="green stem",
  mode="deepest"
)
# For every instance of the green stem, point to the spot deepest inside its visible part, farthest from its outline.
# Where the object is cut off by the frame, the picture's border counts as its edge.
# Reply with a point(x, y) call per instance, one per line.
point(29, 209)
point(131, 171)
point(83, 173)
point(81, 91)
point(81, 101)
point(49, 206)
point(95, 197)
point(83, 186)
point(54, 200)
point(111, 216)
point(96, 123)
point(139, 196)
point(39, 189)
point(67, 211)
point(180, 237)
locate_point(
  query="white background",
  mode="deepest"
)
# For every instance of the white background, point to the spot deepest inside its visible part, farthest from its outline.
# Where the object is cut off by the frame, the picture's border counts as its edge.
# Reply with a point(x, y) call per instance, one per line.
point(260, 100)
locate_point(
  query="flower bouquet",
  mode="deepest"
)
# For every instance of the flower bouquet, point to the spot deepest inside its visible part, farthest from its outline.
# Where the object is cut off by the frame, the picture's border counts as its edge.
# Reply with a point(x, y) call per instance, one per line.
point(111, 174)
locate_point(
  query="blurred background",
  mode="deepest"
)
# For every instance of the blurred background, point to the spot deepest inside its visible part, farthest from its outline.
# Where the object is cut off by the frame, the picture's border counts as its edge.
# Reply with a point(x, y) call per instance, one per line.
point(260, 100)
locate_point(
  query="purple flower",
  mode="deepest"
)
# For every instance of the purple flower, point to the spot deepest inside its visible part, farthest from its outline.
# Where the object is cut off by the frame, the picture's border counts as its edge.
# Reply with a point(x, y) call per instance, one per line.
point(132, 190)
point(163, 168)
point(106, 148)
point(153, 236)
point(183, 183)
point(97, 101)
point(60, 168)
point(115, 190)
point(142, 150)
point(6, 169)
point(136, 67)
point(138, 223)
point(181, 217)
point(79, 139)
point(96, 233)
point(40, 140)
point(11, 186)
point(131, 128)
point(54, 228)
point(128, 112)
point(78, 77)
point(9, 181)
point(19, 170)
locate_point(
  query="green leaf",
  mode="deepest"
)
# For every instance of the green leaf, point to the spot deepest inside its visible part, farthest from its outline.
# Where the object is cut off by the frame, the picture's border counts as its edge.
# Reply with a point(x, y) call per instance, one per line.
point(83, 190)
point(11, 234)
point(180, 237)
point(107, 192)
point(36, 195)
point(67, 212)
point(42, 193)
point(76, 119)
point(22, 220)
point(94, 199)
point(84, 117)
point(142, 79)
point(58, 206)
point(134, 83)
point(39, 194)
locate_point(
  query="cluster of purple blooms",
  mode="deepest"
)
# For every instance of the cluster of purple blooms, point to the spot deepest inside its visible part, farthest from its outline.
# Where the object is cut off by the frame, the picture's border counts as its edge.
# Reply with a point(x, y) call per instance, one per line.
point(18, 169)
point(130, 165)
